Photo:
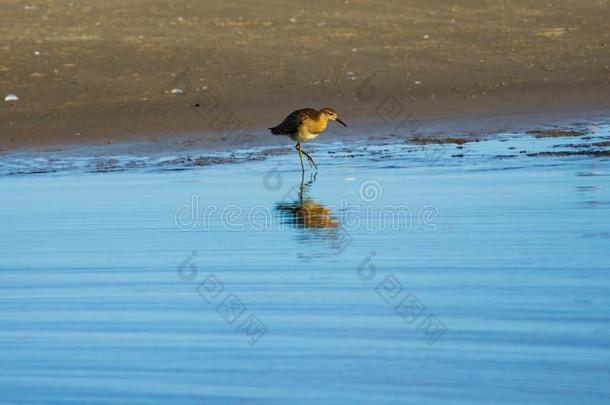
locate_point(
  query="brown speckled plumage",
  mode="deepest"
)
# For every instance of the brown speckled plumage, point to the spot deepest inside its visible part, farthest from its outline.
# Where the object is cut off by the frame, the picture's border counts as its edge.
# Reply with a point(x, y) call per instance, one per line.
point(305, 125)
point(293, 121)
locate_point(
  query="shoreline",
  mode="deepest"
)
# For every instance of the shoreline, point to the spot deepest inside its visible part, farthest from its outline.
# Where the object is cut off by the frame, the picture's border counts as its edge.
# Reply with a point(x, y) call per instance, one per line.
point(585, 136)
point(486, 122)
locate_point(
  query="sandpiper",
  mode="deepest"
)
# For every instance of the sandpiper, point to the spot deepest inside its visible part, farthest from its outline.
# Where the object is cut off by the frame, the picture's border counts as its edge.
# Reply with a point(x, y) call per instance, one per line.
point(305, 125)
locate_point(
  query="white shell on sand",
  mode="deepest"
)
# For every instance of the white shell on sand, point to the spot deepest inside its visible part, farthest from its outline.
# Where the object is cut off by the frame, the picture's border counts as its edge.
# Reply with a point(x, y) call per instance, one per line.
point(177, 91)
point(11, 97)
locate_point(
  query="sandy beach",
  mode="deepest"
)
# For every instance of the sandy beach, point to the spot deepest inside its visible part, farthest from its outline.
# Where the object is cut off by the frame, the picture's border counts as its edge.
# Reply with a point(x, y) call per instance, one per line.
point(103, 72)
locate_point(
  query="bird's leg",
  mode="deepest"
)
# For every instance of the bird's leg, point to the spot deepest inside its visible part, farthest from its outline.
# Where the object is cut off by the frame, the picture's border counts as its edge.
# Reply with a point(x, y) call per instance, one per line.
point(300, 156)
point(300, 149)
point(311, 161)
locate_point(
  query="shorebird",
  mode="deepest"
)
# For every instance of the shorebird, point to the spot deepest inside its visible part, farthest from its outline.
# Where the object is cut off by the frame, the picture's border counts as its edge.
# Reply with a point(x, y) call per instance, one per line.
point(305, 125)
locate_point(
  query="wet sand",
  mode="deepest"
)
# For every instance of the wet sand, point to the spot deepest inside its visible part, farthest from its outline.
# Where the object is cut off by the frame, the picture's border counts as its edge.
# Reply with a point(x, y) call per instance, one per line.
point(401, 274)
point(103, 72)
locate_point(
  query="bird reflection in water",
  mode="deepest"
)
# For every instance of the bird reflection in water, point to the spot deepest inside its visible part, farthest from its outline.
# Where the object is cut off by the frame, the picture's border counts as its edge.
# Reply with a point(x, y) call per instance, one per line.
point(317, 226)
point(305, 213)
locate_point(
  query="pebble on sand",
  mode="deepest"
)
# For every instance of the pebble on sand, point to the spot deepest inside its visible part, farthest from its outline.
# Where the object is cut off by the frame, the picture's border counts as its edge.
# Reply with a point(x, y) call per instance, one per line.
point(177, 91)
point(11, 97)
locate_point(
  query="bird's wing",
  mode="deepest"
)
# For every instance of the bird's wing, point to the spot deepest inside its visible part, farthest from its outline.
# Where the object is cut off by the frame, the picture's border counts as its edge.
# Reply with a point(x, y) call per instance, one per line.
point(291, 123)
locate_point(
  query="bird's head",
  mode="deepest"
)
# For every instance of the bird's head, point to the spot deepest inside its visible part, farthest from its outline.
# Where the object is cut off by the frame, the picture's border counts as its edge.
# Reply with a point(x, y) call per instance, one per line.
point(331, 115)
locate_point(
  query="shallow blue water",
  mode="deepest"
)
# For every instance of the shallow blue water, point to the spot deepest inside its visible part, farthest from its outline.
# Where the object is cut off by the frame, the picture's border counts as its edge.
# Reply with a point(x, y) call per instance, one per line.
point(405, 276)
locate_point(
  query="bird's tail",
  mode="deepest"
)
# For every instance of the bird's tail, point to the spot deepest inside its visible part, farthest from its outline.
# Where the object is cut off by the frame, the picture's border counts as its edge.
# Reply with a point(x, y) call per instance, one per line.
point(274, 130)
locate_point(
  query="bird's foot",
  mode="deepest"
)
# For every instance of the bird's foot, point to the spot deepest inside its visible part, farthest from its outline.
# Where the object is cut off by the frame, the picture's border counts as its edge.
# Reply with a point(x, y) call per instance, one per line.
point(312, 163)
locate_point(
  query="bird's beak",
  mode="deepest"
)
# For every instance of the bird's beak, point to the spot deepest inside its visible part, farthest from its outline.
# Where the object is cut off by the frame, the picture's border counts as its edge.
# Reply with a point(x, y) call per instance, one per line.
point(341, 122)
